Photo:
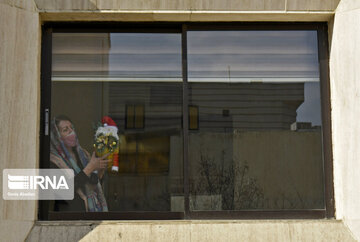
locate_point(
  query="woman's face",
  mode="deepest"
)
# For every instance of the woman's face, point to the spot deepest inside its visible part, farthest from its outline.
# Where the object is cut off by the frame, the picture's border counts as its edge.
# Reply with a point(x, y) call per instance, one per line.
point(65, 128)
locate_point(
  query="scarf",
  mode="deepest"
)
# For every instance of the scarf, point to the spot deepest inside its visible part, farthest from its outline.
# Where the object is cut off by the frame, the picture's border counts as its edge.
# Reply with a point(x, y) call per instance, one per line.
point(93, 195)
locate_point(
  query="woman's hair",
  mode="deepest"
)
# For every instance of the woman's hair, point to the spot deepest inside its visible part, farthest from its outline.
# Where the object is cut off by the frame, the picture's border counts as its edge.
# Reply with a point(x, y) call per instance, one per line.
point(62, 117)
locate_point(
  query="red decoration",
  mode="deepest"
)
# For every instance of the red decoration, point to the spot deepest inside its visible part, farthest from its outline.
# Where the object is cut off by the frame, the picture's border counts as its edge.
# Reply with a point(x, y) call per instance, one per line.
point(109, 121)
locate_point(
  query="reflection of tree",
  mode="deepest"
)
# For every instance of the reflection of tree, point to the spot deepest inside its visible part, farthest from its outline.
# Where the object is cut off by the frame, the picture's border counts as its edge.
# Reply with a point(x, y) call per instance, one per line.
point(248, 194)
point(290, 201)
point(237, 189)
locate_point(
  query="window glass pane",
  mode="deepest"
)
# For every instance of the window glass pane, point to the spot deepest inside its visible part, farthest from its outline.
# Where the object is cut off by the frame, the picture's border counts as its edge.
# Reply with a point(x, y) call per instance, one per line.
point(120, 57)
point(259, 139)
point(253, 56)
point(133, 83)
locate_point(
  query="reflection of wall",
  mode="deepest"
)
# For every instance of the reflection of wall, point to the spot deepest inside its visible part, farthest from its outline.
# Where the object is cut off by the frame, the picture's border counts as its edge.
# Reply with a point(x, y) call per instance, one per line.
point(138, 193)
point(147, 192)
point(287, 165)
point(86, 102)
point(141, 154)
point(82, 103)
point(248, 106)
point(215, 146)
point(162, 102)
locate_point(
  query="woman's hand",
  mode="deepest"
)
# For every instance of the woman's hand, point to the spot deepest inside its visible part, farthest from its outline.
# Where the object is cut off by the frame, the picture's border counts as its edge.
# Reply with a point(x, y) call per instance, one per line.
point(96, 163)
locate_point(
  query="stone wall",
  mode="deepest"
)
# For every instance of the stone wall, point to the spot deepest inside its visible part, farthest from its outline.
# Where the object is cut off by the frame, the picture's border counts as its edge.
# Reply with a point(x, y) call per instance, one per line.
point(19, 107)
point(345, 99)
point(196, 230)
point(186, 10)
point(198, 5)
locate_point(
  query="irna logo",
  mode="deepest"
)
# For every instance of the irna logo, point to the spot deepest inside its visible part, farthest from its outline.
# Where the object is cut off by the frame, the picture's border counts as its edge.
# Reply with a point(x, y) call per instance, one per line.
point(37, 182)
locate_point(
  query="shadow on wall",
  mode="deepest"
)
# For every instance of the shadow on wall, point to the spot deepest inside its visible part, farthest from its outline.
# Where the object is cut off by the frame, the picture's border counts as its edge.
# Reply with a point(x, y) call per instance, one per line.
point(60, 232)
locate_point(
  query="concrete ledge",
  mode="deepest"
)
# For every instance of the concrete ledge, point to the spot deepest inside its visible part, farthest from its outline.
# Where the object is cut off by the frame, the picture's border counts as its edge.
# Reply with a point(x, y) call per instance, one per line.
point(192, 230)
point(14, 230)
point(183, 16)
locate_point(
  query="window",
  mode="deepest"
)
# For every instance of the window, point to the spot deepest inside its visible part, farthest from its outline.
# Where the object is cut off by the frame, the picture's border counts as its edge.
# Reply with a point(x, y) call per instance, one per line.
point(193, 118)
point(200, 121)
point(134, 117)
point(252, 87)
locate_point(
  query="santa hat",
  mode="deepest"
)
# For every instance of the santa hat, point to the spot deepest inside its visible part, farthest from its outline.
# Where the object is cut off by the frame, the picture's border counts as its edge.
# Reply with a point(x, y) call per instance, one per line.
point(109, 127)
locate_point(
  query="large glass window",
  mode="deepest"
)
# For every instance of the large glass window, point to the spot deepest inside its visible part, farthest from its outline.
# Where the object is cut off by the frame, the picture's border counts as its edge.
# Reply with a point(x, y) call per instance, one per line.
point(258, 144)
point(134, 81)
point(198, 122)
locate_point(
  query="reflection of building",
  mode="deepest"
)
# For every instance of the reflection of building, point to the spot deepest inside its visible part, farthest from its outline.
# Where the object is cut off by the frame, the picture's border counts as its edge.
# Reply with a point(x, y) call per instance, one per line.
point(229, 114)
point(162, 103)
point(222, 107)
point(246, 106)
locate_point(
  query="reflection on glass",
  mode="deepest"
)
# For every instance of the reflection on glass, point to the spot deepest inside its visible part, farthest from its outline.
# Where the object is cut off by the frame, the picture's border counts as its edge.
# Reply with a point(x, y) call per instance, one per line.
point(258, 143)
point(254, 120)
point(116, 57)
point(252, 56)
point(131, 82)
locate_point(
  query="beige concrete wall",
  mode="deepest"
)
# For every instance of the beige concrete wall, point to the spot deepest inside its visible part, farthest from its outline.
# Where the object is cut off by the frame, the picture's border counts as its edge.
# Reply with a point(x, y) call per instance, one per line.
point(19, 107)
point(20, 94)
point(201, 230)
point(186, 10)
point(212, 5)
point(345, 95)
point(21, 4)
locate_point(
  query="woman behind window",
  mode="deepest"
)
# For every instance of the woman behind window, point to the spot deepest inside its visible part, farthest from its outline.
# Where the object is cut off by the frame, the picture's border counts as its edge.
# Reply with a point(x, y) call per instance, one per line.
point(66, 153)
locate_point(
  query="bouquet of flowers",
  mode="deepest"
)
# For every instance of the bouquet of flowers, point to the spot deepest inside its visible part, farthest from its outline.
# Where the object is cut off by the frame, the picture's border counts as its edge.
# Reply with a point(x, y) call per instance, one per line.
point(107, 141)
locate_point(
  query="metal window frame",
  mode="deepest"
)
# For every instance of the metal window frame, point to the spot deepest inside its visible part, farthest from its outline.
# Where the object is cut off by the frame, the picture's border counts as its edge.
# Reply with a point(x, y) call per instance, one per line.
point(182, 28)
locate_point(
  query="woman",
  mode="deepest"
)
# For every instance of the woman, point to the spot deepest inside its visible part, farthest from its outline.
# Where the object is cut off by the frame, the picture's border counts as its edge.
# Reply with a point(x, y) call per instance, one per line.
point(66, 153)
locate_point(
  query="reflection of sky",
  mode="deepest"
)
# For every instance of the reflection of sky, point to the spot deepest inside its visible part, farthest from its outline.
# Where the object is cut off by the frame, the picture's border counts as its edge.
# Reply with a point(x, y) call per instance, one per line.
point(145, 54)
point(211, 54)
point(269, 56)
point(310, 110)
point(256, 54)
